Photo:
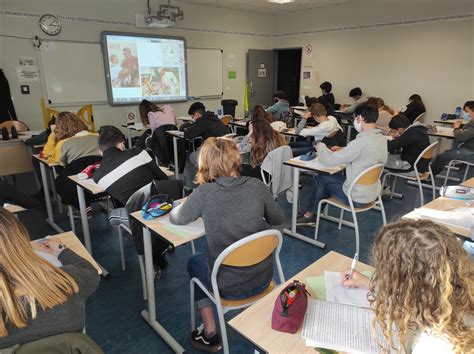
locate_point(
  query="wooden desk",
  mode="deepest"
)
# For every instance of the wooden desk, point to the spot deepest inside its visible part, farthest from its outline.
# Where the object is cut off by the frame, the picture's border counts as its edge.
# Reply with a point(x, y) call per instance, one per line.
point(12, 208)
point(442, 203)
point(254, 323)
point(44, 178)
point(15, 157)
point(138, 127)
point(449, 121)
point(175, 240)
point(72, 242)
point(298, 165)
point(440, 136)
point(468, 183)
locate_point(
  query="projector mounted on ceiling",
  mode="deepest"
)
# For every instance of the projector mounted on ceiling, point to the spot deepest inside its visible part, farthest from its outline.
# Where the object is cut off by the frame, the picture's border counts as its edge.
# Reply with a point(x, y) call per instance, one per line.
point(166, 16)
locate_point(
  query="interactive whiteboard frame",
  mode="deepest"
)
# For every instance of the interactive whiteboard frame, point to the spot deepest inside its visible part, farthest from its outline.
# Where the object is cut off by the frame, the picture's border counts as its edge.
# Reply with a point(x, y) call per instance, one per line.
point(105, 54)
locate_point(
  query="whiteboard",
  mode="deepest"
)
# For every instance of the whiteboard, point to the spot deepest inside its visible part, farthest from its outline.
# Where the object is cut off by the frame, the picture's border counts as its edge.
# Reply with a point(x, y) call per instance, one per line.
point(204, 72)
point(73, 72)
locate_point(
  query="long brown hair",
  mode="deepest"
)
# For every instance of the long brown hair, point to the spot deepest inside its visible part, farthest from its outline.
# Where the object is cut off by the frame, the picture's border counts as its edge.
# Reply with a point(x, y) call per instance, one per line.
point(218, 157)
point(27, 281)
point(263, 139)
point(146, 107)
point(68, 125)
point(259, 112)
point(381, 105)
point(423, 280)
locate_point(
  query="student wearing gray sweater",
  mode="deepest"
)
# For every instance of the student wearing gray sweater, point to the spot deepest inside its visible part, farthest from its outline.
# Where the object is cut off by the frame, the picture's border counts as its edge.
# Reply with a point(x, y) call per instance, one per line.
point(39, 300)
point(368, 149)
point(232, 207)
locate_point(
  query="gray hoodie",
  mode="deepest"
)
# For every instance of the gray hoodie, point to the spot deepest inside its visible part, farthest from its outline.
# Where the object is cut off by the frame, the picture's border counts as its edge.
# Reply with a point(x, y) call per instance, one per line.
point(367, 149)
point(232, 208)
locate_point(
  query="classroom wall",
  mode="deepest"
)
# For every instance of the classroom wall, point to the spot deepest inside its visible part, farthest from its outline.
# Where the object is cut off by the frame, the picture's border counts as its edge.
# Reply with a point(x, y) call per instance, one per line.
point(205, 27)
point(433, 58)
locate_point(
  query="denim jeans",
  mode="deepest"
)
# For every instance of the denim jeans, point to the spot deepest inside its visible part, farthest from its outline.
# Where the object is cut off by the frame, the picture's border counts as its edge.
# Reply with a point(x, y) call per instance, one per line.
point(462, 153)
point(197, 268)
point(326, 186)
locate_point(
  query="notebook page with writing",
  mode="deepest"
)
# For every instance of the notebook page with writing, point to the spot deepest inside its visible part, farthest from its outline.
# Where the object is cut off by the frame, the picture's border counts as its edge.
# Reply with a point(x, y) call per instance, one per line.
point(462, 217)
point(336, 292)
point(338, 327)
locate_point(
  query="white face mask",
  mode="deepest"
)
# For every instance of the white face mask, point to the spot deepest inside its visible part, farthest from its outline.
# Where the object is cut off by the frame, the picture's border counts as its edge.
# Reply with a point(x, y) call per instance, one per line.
point(466, 116)
point(357, 125)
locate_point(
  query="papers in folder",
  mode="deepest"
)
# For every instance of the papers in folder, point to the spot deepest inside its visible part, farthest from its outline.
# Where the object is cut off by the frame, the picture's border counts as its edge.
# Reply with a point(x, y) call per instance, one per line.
point(461, 217)
point(336, 292)
point(338, 327)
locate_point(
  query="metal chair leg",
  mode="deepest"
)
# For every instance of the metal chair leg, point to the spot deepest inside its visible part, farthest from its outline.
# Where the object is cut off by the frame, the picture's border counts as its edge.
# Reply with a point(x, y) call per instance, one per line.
point(356, 228)
point(122, 251)
point(191, 294)
point(340, 219)
point(141, 261)
point(71, 218)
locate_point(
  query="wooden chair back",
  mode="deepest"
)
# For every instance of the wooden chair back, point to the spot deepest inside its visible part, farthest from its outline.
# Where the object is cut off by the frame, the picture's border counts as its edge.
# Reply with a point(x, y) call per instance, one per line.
point(371, 175)
point(252, 252)
point(226, 119)
point(19, 126)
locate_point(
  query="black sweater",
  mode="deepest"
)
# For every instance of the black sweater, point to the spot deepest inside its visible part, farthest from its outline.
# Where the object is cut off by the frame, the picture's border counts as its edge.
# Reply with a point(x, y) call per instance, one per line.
point(413, 111)
point(68, 317)
point(412, 142)
point(122, 173)
point(206, 126)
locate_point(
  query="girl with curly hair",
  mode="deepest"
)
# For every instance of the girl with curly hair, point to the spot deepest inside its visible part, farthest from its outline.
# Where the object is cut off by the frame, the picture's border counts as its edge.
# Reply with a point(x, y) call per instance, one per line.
point(423, 287)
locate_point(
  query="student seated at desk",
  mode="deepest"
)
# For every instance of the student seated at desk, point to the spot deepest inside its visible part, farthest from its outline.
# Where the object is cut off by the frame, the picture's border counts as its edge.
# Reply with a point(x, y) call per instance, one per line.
point(463, 142)
point(385, 113)
point(260, 112)
point(327, 125)
point(123, 172)
point(156, 116)
point(357, 96)
point(38, 299)
point(415, 107)
point(224, 200)
point(69, 140)
point(327, 95)
point(422, 287)
point(281, 104)
point(367, 149)
point(260, 140)
point(412, 139)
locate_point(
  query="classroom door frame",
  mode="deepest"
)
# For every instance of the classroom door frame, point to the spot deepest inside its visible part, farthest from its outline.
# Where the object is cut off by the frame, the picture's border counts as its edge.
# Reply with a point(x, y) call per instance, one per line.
point(293, 94)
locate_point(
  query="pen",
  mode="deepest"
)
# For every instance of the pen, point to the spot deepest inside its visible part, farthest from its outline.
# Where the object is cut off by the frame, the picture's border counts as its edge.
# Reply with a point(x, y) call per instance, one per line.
point(354, 261)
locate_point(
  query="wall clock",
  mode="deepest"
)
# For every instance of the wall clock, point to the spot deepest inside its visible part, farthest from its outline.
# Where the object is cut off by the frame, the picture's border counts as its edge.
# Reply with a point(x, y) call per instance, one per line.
point(50, 24)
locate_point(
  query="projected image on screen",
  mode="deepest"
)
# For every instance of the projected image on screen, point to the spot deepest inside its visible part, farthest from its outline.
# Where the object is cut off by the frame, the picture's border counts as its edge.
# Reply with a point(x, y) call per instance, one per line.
point(143, 67)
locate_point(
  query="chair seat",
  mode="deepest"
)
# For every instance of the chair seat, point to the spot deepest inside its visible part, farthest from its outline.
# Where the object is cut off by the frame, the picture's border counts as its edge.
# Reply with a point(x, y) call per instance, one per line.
point(249, 300)
point(337, 202)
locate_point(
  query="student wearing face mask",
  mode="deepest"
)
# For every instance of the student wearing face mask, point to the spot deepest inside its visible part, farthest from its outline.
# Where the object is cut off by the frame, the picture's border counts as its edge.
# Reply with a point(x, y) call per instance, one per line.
point(367, 149)
point(327, 125)
point(358, 97)
point(281, 104)
point(463, 142)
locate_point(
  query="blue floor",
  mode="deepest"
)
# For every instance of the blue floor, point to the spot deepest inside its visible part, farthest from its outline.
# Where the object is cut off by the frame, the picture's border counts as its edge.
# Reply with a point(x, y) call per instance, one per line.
point(113, 312)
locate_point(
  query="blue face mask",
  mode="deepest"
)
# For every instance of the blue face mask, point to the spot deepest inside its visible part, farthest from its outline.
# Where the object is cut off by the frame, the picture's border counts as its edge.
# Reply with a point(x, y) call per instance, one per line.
point(466, 116)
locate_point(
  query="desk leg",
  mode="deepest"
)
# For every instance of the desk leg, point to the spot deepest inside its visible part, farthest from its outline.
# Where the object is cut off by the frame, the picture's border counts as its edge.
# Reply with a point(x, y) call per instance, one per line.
point(85, 223)
point(150, 314)
point(294, 214)
point(85, 227)
point(129, 131)
point(438, 148)
point(175, 154)
point(47, 199)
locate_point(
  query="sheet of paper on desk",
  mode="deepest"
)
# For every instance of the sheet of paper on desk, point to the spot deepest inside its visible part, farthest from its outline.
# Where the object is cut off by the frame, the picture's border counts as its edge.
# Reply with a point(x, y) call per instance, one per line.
point(176, 132)
point(462, 217)
point(299, 112)
point(336, 292)
point(320, 166)
point(338, 327)
point(90, 182)
point(31, 133)
point(193, 228)
point(50, 258)
point(445, 130)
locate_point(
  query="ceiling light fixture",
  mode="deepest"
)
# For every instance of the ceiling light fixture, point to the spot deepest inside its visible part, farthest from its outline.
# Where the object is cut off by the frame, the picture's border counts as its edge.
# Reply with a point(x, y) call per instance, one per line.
point(281, 1)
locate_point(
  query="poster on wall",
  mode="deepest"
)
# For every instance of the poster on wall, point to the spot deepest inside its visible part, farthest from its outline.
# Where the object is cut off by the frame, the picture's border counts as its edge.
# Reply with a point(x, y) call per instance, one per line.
point(27, 74)
point(308, 55)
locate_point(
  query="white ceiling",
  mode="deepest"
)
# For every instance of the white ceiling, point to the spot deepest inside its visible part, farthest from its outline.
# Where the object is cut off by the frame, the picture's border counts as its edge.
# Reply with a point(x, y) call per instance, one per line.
point(263, 6)
point(268, 7)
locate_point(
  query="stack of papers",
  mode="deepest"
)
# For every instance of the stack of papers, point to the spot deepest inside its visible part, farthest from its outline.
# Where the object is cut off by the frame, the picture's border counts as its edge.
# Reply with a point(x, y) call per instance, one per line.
point(461, 217)
point(444, 130)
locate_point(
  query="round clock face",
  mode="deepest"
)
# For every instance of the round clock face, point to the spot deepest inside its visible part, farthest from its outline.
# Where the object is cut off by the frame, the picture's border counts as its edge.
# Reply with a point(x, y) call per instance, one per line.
point(50, 24)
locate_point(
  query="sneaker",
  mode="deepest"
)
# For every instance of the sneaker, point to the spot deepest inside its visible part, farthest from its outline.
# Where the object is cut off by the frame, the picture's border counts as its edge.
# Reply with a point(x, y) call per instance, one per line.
point(386, 192)
point(305, 220)
point(199, 341)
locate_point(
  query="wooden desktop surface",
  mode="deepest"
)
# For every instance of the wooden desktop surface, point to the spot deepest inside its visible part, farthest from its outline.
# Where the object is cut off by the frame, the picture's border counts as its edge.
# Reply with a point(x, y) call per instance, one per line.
point(468, 183)
point(254, 323)
point(12, 208)
point(44, 161)
point(296, 162)
point(160, 229)
point(442, 203)
point(72, 242)
point(87, 184)
point(15, 157)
